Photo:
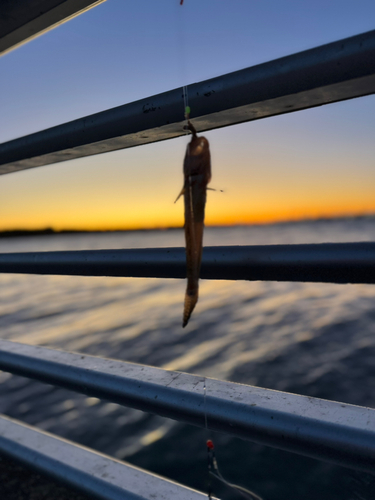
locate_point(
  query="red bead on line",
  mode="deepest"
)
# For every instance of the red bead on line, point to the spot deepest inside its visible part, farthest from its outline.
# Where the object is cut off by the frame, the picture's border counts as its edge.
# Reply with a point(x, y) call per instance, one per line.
point(210, 444)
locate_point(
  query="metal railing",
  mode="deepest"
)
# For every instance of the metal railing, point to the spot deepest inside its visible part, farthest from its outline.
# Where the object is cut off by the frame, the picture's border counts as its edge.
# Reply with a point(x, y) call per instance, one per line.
point(334, 72)
point(23, 20)
point(92, 473)
point(336, 432)
point(324, 263)
point(340, 433)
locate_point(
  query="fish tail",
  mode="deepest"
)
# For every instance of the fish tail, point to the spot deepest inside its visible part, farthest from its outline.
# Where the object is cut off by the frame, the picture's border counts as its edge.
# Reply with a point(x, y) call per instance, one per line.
point(191, 298)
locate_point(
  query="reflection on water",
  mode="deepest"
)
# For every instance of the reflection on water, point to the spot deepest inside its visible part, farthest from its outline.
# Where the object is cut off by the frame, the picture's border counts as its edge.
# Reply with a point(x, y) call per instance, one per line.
point(314, 339)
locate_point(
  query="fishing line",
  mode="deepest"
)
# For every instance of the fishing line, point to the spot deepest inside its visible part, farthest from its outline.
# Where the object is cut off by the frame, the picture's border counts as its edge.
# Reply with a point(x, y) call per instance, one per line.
point(186, 105)
point(181, 43)
point(205, 403)
point(185, 96)
point(208, 442)
point(212, 466)
point(213, 470)
point(211, 459)
point(186, 127)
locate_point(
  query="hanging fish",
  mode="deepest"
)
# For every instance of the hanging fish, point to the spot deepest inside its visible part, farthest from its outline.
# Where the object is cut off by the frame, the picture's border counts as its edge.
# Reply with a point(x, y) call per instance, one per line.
point(197, 174)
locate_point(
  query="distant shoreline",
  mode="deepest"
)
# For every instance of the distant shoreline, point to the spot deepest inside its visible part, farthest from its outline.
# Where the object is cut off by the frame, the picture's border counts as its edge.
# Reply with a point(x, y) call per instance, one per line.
point(13, 233)
point(16, 233)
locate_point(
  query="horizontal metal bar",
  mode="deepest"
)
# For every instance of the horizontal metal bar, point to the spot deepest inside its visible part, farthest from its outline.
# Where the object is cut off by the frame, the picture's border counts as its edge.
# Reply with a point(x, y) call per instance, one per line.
point(336, 432)
point(23, 20)
point(330, 73)
point(88, 471)
point(327, 262)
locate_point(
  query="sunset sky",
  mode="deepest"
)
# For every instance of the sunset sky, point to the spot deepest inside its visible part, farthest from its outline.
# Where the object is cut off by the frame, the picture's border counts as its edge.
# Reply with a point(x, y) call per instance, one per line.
point(313, 163)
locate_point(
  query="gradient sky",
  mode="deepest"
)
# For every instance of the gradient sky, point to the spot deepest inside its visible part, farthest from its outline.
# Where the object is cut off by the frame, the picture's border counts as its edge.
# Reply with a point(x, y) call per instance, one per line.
point(312, 163)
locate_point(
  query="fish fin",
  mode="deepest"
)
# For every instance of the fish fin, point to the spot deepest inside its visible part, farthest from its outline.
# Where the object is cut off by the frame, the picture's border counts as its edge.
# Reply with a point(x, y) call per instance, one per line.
point(181, 193)
point(190, 301)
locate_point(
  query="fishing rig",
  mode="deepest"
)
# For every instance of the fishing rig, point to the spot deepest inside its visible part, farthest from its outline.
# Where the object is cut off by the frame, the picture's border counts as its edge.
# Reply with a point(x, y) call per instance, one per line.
point(326, 430)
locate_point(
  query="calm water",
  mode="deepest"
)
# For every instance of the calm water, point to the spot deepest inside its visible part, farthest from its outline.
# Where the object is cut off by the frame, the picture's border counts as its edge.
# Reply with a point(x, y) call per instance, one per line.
point(313, 339)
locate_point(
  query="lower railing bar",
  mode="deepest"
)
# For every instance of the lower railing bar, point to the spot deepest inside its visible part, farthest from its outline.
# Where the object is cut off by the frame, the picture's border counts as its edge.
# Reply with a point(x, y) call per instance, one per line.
point(327, 262)
point(340, 433)
point(83, 469)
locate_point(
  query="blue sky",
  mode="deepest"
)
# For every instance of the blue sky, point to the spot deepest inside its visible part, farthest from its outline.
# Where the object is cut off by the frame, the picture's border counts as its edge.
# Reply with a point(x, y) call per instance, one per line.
point(123, 50)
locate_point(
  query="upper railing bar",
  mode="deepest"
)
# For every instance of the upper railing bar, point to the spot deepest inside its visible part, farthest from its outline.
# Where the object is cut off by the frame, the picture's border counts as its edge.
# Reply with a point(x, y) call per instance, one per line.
point(97, 475)
point(23, 20)
point(336, 432)
point(326, 262)
point(329, 73)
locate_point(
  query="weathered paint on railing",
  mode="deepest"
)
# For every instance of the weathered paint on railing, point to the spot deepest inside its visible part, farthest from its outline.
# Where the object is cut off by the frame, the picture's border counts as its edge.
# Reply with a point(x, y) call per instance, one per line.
point(326, 430)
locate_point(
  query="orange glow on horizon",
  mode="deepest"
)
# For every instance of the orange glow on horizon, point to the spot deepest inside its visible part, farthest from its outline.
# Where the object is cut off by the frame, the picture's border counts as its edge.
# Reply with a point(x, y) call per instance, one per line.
point(213, 221)
point(135, 188)
point(309, 164)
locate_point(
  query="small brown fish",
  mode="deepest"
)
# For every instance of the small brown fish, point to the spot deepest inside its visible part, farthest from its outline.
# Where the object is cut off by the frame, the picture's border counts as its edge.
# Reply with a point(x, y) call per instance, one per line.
point(197, 174)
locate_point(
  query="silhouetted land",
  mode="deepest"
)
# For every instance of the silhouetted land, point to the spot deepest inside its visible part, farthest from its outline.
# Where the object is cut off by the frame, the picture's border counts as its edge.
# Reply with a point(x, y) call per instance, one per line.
point(50, 231)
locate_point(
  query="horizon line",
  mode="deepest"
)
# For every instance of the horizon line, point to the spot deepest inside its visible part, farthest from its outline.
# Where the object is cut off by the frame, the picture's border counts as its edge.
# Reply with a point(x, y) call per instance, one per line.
point(52, 230)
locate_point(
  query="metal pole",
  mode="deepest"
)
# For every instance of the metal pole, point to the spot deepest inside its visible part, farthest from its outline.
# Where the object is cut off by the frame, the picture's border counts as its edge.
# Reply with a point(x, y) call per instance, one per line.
point(23, 20)
point(329, 73)
point(90, 472)
point(327, 262)
point(326, 430)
